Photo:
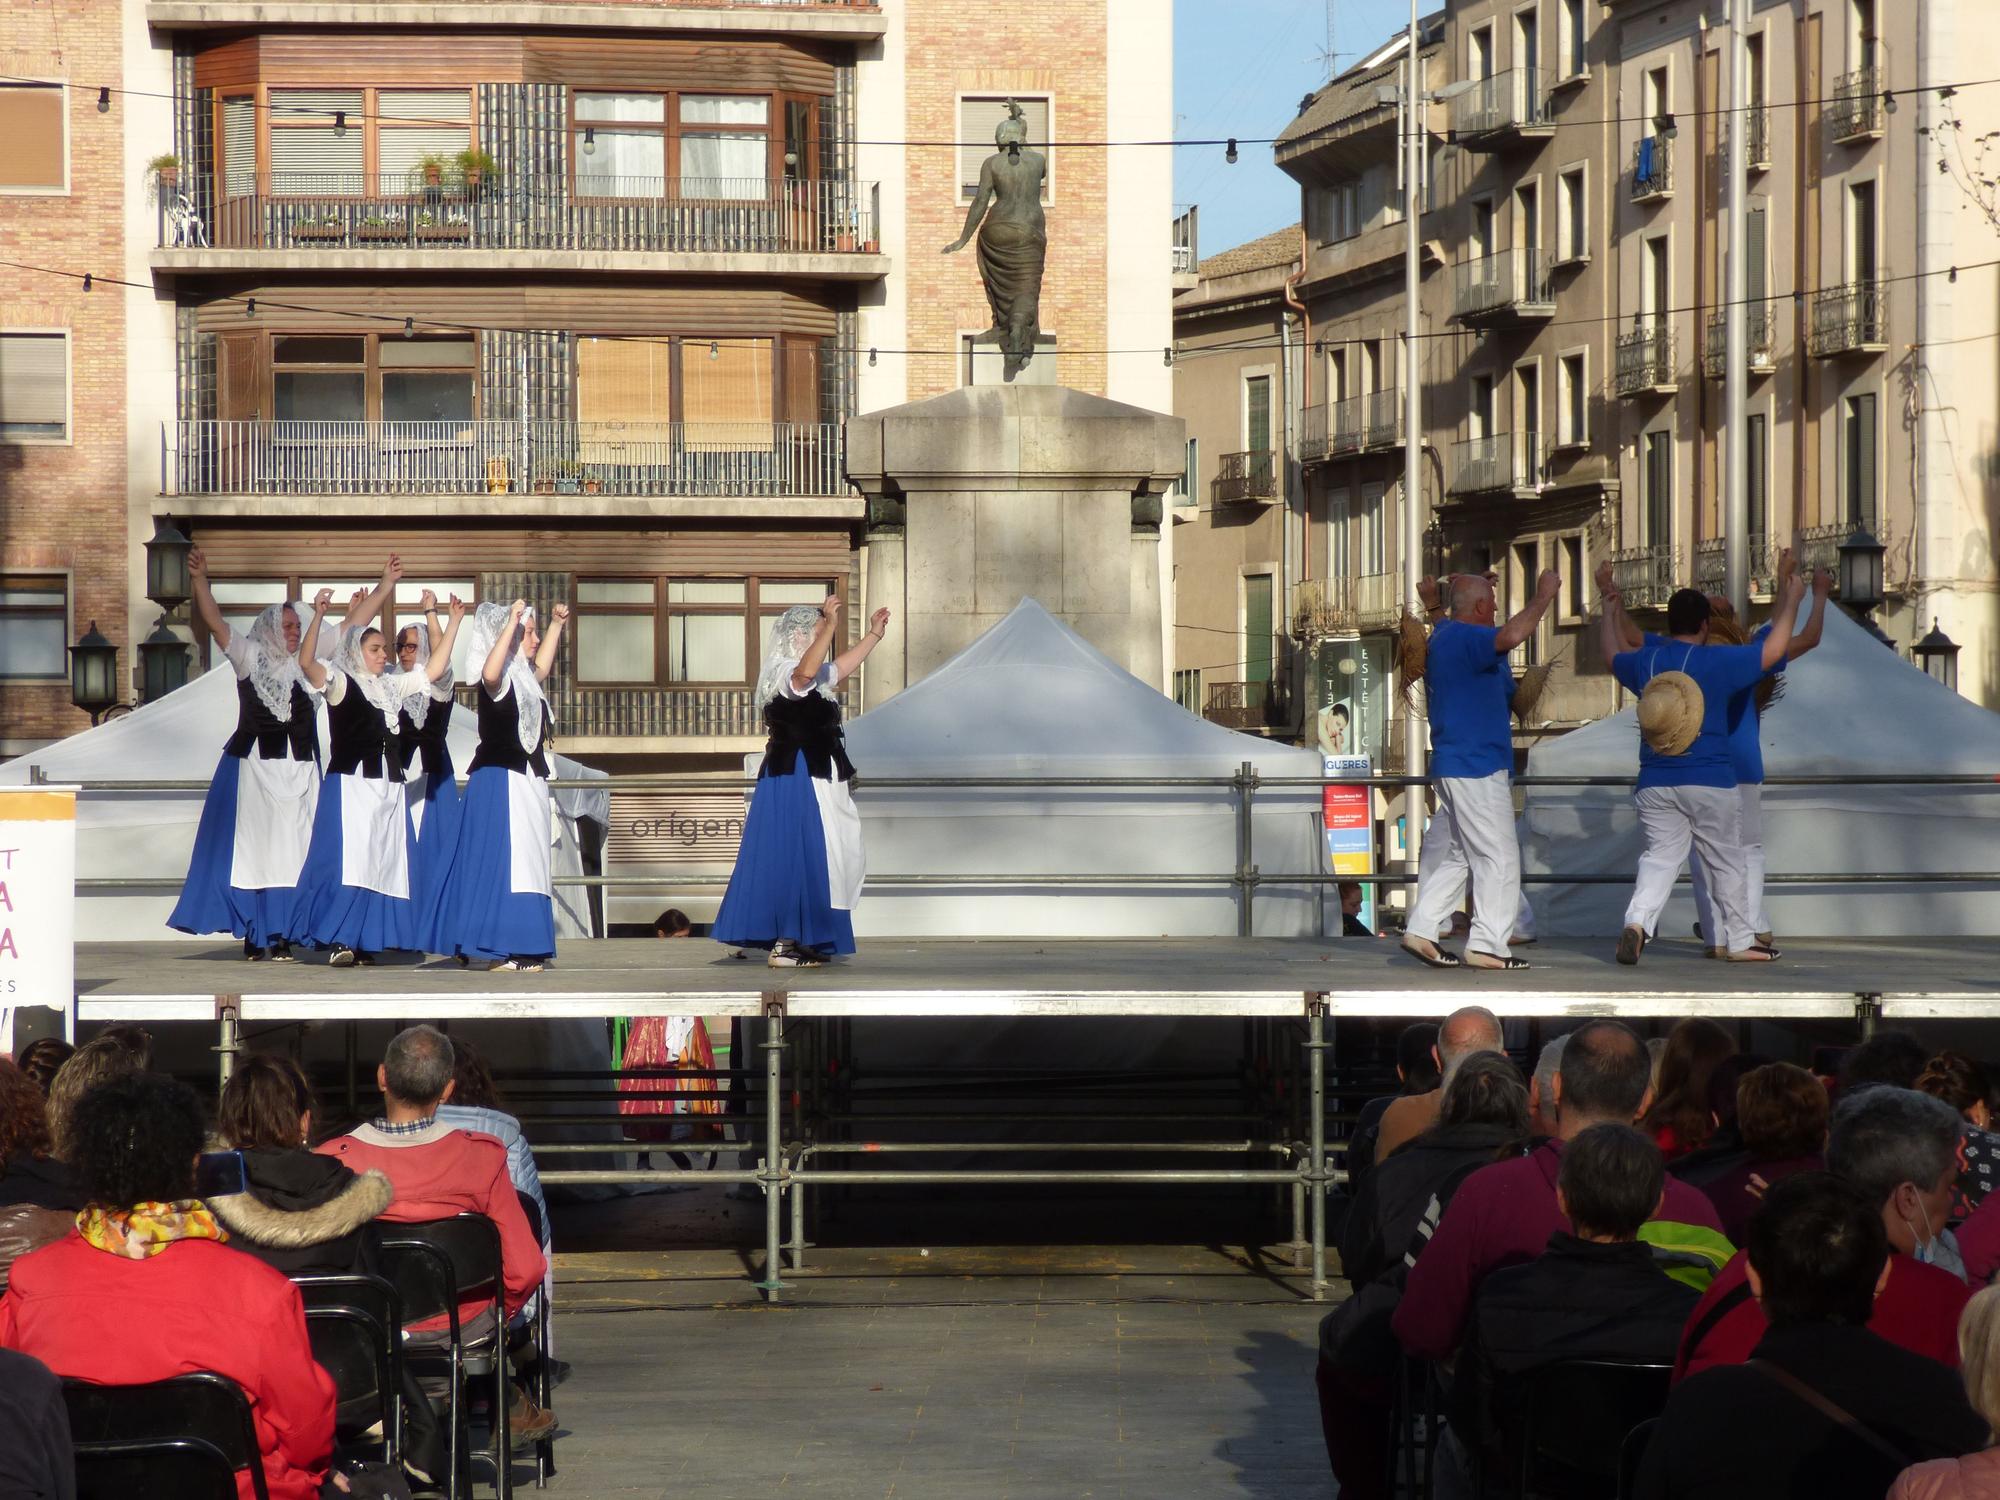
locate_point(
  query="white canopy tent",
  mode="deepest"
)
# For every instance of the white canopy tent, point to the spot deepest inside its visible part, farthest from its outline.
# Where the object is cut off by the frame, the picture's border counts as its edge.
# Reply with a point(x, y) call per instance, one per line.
point(1849, 708)
point(1031, 698)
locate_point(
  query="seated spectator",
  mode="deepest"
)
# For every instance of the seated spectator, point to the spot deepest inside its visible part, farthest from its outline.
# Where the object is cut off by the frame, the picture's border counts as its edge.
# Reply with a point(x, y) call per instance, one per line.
point(1594, 1293)
point(1895, 1147)
point(1542, 1088)
point(304, 1213)
point(1473, 1028)
point(1781, 1114)
point(38, 1197)
point(672, 923)
point(1351, 903)
point(145, 1289)
point(1977, 1475)
point(1825, 1408)
point(1896, 1058)
point(1416, 1073)
point(1484, 1117)
point(1504, 1214)
point(42, 1059)
point(97, 1061)
point(35, 1458)
point(1679, 1121)
point(475, 1106)
point(1723, 1151)
point(1962, 1084)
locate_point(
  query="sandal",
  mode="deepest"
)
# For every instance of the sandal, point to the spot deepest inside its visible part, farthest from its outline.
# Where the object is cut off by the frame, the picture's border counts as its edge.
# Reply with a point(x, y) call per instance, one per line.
point(1756, 953)
point(1474, 959)
point(1631, 943)
point(1437, 958)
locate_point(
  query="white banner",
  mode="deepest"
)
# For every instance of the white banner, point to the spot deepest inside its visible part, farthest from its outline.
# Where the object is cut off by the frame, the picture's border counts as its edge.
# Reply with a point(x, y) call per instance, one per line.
point(37, 904)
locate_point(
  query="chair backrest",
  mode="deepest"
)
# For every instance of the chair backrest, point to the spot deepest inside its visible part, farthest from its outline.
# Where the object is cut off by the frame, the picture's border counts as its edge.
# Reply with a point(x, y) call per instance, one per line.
point(354, 1324)
point(1576, 1415)
point(440, 1264)
point(179, 1439)
point(1637, 1441)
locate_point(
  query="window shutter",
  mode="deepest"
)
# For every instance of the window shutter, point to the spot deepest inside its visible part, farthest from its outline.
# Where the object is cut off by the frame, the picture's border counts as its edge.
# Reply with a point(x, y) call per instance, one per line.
point(978, 119)
point(1861, 459)
point(1257, 414)
point(31, 122)
point(415, 123)
point(1757, 446)
point(33, 380)
point(239, 147)
point(306, 156)
point(1755, 279)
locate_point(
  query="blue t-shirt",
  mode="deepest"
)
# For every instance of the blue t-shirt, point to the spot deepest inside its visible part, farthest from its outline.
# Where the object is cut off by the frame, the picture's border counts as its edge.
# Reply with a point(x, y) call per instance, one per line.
point(1468, 685)
point(1746, 750)
point(1724, 674)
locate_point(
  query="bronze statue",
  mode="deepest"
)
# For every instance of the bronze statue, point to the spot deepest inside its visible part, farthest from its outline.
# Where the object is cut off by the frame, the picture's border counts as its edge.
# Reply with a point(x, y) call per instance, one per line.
point(1013, 240)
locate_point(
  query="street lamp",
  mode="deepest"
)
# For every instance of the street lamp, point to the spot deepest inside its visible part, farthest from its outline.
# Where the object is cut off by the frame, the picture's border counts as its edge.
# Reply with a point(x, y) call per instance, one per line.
point(93, 674)
point(163, 663)
point(1937, 654)
point(167, 565)
point(1859, 572)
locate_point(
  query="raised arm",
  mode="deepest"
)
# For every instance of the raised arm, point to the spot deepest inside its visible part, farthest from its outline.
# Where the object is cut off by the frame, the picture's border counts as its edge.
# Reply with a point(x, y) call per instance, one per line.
point(1610, 635)
point(1779, 641)
point(1432, 599)
point(1805, 639)
point(310, 666)
point(849, 661)
point(205, 609)
point(977, 210)
point(545, 659)
point(440, 662)
point(1630, 637)
point(1518, 629)
point(369, 605)
point(494, 670)
point(822, 642)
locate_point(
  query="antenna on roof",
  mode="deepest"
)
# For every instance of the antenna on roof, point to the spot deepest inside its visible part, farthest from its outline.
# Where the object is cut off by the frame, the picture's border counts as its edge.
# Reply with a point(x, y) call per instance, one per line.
point(1329, 58)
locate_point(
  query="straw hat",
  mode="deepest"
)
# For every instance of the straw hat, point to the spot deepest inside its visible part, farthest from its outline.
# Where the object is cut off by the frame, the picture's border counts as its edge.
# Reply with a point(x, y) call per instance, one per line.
point(1670, 711)
point(1412, 654)
point(1528, 691)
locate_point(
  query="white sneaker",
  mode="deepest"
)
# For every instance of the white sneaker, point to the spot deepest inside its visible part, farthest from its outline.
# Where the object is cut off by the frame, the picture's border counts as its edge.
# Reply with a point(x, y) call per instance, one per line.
point(503, 966)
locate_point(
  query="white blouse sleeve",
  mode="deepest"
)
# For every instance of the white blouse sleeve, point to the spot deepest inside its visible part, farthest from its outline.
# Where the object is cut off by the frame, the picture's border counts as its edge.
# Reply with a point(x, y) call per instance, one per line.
point(238, 650)
point(786, 688)
point(336, 686)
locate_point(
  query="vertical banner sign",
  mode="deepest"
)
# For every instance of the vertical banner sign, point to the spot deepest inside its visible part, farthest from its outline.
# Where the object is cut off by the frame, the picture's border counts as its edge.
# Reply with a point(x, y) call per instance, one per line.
point(37, 904)
point(1350, 824)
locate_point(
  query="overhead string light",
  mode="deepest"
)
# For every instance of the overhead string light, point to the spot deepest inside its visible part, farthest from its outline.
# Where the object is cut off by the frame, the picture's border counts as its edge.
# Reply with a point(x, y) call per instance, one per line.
point(104, 101)
point(1230, 155)
point(409, 328)
point(590, 140)
point(339, 123)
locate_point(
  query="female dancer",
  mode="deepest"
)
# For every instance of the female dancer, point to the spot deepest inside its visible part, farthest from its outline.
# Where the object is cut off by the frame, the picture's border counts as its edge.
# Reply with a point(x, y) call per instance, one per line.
point(258, 815)
point(799, 871)
point(430, 784)
point(494, 898)
point(354, 891)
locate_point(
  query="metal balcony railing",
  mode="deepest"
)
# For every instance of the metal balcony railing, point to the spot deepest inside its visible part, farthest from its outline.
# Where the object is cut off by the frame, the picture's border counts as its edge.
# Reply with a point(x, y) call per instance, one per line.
point(1652, 168)
point(1382, 425)
point(1334, 606)
point(772, 460)
point(1757, 137)
point(1711, 565)
point(1819, 546)
point(1251, 476)
point(1850, 319)
point(1504, 461)
point(1239, 705)
point(1645, 363)
point(1855, 109)
point(1760, 326)
point(1647, 576)
point(1512, 103)
point(1512, 283)
point(354, 211)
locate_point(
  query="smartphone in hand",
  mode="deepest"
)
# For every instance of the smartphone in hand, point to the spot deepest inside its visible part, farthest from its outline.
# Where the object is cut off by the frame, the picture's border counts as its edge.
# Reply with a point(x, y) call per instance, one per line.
point(217, 1174)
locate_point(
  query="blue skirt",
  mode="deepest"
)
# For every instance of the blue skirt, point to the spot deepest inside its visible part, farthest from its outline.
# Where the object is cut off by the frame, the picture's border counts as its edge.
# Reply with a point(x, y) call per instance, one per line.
point(436, 836)
point(779, 888)
point(208, 902)
point(329, 913)
point(476, 911)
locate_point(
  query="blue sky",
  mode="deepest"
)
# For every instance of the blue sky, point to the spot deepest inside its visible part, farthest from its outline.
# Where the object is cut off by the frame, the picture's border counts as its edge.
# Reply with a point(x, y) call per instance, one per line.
point(1240, 68)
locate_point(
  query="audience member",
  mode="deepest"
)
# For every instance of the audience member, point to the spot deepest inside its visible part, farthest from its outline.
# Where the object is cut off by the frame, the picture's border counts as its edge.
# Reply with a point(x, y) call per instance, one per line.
point(1504, 1214)
point(1416, 1073)
point(1896, 1148)
point(1961, 1083)
point(1977, 1475)
point(475, 1106)
point(1824, 1408)
point(1542, 1088)
point(1656, 1049)
point(1781, 1115)
point(35, 1458)
point(672, 923)
point(97, 1061)
point(1351, 903)
point(1679, 1121)
point(145, 1289)
point(1723, 1151)
point(1469, 1029)
point(38, 1196)
point(1896, 1058)
point(136, 1041)
point(42, 1058)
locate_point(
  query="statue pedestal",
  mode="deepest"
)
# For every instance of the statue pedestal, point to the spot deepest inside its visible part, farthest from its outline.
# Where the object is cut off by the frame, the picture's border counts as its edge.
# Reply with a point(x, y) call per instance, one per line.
point(987, 495)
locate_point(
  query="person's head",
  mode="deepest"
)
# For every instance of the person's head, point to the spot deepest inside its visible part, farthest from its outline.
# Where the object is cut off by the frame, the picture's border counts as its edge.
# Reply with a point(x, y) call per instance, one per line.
point(416, 1072)
point(1469, 1029)
point(134, 1140)
point(136, 1040)
point(1612, 1180)
point(1781, 1112)
point(531, 635)
point(1961, 1083)
point(267, 1105)
point(24, 1116)
point(1604, 1077)
point(1680, 1092)
point(1817, 1252)
point(1472, 599)
point(1979, 1354)
point(1899, 1149)
point(1722, 1082)
point(1542, 1087)
point(1892, 1057)
point(1350, 898)
point(42, 1058)
point(1687, 615)
point(1416, 1058)
point(1012, 131)
point(97, 1061)
point(471, 1079)
point(288, 622)
point(374, 651)
point(408, 643)
point(1486, 1089)
point(672, 923)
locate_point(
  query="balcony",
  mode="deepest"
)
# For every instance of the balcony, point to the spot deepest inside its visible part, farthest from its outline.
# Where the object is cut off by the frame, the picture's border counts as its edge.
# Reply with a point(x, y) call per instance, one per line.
point(678, 713)
point(332, 219)
point(1850, 319)
point(1505, 462)
point(1760, 330)
point(1645, 365)
point(1346, 606)
point(1382, 419)
point(1855, 111)
point(1502, 290)
point(1503, 111)
point(1250, 478)
point(1756, 138)
point(828, 20)
point(1652, 179)
point(1245, 706)
point(1819, 546)
point(1358, 424)
point(1647, 576)
point(1711, 566)
point(499, 459)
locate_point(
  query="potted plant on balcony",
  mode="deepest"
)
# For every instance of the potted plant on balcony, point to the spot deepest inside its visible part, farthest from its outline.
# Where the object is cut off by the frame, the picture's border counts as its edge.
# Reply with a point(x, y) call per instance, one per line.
point(318, 229)
point(474, 167)
point(376, 227)
point(165, 172)
point(434, 229)
point(569, 476)
point(591, 485)
point(432, 167)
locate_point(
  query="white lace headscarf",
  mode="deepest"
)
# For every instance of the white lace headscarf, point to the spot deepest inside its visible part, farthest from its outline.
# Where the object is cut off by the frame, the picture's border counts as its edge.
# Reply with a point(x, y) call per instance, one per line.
point(488, 621)
point(272, 668)
point(374, 686)
point(418, 705)
point(791, 638)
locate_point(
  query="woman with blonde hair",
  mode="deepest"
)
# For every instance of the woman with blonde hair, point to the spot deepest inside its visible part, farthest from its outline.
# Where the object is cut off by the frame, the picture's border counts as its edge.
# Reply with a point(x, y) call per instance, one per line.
point(1977, 1475)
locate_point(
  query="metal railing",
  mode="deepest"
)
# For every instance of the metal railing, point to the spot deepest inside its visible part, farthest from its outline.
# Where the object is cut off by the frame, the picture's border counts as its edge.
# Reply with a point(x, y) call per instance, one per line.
point(1760, 330)
point(1246, 476)
point(1348, 426)
point(724, 215)
point(1855, 108)
point(1652, 168)
point(1756, 136)
point(763, 459)
point(1711, 565)
point(1239, 705)
point(1335, 606)
point(1645, 362)
point(1850, 319)
point(1503, 461)
point(1819, 546)
point(1647, 576)
point(1504, 104)
point(1382, 425)
point(1515, 281)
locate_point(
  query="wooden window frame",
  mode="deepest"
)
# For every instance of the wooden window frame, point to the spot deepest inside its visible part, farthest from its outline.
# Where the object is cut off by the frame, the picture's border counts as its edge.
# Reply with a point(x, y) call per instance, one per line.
point(752, 611)
point(679, 345)
point(671, 130)
point(62, 610)
point(368, 123)
point(370, 367)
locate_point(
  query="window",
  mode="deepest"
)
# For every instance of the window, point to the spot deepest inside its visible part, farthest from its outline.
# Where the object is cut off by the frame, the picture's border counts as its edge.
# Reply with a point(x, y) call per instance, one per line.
point(1480, 414)
point(648, 632)
point(1372, 549)
point(343, 141)
point(1482, 227)
point(1657, 489)
point(1528, 218)
point(1576, 579)
point(1482, 52)
point(239, 146)
point(1187, 688)
point(241, 600)
point(1337, 211)
point(34, 387)
point(406, 608)
point(34, 122)
point(1528, 411)
point(620, 145)
point(1524, 570)
point(979, 117)
point(1858, 444)
point(1573, 400)
point(1753, 67)
point(722, 384)
point(725, 384)
point(1863, 37)
point(1757, 449)
point(34, 626)
point(1655, 283)
point(318, 141)
point(1257, 626)
point(1862, 261)
point(616, 630)
point(1337, 388)
point(1573, 216)
point(725, 145)
point(411, 124)
point(1257, 413)
point(365, 378)
point(1184, 488)
point(1339, 552)
point(1657, 100)
point(1574, 39)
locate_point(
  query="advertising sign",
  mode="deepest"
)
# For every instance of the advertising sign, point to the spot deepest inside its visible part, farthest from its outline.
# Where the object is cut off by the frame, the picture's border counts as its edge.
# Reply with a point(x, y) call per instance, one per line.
point(1350, 824)
point(37, 904)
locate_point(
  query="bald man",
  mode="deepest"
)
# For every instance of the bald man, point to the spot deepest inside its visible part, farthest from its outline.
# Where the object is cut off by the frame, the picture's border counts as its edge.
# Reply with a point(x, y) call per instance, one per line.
point(1470, 1029)
point(1467, 689)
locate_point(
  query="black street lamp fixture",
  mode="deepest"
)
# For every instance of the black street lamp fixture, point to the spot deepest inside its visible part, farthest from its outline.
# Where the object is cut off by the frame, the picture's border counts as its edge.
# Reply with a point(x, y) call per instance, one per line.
point(163, 663)
point(1860, 572)
point(1937, 654)
point(93, 674)
point(167, 565)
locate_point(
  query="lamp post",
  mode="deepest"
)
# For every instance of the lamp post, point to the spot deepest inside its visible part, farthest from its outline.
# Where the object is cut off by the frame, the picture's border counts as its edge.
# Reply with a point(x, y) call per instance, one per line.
point(1859, 573)
point(93, 674)
point(163, 663)
point(1937, 654)
point(167, 565)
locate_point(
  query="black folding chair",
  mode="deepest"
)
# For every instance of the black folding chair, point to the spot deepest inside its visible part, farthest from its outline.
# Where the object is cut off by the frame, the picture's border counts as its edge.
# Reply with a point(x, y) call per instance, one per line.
point(435, 1267)
point(1637, 1441)
point(544, 1380)
point(1413, 1430)
point(1573, 1419)
point(355, 1323)
point(180, 1439)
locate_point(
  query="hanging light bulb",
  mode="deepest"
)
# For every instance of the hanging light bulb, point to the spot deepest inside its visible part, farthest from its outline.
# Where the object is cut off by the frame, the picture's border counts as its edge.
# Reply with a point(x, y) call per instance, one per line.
point(1230, 155)
point(714, 349)
point(409, 328)
point(250, 308)
point(104, 101)
point(1952, 278)
point(871, 359)
point(1889, 100)
point(339, 123)
point(1167, 356)
point(589, 141)
point(86, 279)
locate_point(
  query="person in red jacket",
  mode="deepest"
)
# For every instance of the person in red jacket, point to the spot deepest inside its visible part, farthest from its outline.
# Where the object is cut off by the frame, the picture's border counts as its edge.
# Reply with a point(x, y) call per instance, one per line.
point(1503, 1215)
point(145, 1287)
point(438, 1172)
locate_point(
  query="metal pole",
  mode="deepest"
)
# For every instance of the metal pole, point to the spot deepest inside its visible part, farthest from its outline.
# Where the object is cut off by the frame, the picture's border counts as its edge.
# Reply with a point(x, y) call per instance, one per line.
point(1246, 871)
point(1413, 420)
point(228, 1038)
point(1735, 375)
point(773, 1173)
point(1316, 1045)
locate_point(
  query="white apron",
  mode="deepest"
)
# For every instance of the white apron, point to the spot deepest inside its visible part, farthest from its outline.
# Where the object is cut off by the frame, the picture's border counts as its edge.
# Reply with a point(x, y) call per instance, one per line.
point(373, 854)
point(841, 824)
point(530, 832)
point(275, 802)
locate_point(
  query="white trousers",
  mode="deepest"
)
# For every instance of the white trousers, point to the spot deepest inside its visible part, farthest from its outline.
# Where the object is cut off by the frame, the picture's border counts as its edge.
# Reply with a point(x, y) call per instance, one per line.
point(1470, 837)
point(1751, 794)
point(1709, 820)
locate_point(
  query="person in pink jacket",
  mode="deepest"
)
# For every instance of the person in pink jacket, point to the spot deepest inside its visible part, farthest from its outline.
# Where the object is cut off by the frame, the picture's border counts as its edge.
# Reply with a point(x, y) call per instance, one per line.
point(1977, 1475)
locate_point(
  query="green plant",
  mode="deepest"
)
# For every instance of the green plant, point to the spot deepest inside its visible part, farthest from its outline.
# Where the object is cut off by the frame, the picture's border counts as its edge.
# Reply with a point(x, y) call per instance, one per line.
point(475, 164)
point(163, 172)
point(431, 167)
point(374, 221)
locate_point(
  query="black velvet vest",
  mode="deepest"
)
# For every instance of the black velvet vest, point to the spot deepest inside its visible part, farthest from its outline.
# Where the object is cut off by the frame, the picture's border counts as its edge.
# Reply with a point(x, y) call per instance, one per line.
point(424, 748)
point(500, 737)
point(363, 742)
point(809, 727)
point(276, 739)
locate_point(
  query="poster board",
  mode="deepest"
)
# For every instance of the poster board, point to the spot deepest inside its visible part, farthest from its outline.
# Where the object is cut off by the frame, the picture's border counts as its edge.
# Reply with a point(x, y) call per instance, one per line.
point(1348, 815)
point(37, 905)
